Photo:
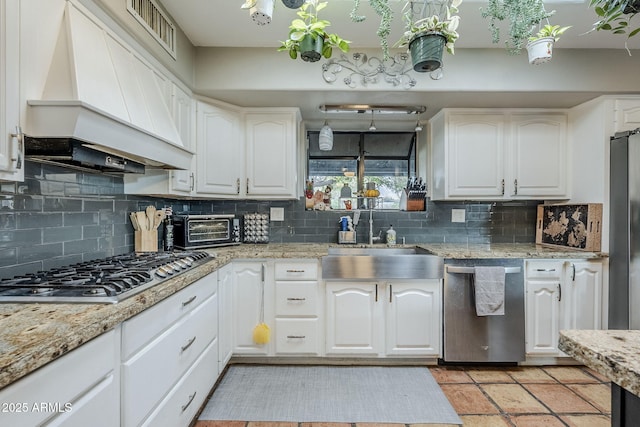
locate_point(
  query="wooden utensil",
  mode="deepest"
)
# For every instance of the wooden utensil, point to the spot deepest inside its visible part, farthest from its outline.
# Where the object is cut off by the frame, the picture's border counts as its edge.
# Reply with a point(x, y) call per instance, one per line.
point(151, 217)
point(142, 220)
point(134, 221)
point(160, 215)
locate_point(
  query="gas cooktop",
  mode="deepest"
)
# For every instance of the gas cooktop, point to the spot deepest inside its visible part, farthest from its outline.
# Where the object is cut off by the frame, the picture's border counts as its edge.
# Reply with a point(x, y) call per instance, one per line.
point(107, 280)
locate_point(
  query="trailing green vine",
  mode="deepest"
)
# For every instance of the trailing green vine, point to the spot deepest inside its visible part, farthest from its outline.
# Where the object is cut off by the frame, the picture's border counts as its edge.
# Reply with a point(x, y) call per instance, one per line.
point(384, 11)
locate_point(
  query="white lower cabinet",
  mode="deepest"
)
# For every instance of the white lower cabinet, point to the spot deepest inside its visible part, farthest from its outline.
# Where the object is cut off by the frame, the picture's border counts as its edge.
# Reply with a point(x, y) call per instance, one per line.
point(225, 316)
point(250, 306)
point(161, 349)
point(562, 294)
point(413, 325)
point(383, 318)
point(297, 308)
point(79, 389)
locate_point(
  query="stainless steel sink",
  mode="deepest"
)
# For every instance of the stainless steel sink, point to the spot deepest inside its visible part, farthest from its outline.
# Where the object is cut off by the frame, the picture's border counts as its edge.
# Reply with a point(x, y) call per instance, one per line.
point(367, 263)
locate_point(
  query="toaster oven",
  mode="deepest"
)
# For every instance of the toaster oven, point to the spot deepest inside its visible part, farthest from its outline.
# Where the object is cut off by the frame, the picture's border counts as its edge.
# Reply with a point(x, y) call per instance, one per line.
point(206, 231)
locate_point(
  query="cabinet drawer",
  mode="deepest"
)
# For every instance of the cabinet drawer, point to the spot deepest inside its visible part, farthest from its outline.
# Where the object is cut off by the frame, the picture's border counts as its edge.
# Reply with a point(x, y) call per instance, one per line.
point(71, 379)
point(144, 327)
point(307, 270)
point(296, 298)
point(544, 269)
point(183, 402)
point(297, 336)
point(149, 374)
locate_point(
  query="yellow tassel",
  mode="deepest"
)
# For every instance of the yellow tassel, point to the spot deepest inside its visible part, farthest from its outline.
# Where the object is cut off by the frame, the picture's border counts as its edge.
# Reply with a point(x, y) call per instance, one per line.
point(261, 334)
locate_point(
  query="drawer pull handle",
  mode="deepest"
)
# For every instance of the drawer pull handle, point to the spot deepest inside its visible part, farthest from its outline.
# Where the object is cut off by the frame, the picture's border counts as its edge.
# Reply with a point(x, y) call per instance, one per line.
point(299, 337)
point(545, 269)
point(295, 271)
point(296, 299)
point(189, 301)
point(187, 345)
point(191, 397)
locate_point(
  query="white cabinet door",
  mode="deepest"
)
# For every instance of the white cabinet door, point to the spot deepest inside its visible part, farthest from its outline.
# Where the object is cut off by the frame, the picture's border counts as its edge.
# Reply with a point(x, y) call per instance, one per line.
point(248, 291)
point(539, 160)
point(413, 325)
point(354, 323)
point(220, 162)
point(11, 147)
point(584, 289)
point(183, 111)
point(542, 316)
point(271, 147)
point(475, 155)
point(225, 315)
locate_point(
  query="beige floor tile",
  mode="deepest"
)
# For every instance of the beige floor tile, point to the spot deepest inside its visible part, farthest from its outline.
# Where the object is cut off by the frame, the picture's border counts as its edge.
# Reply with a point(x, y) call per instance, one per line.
point(586, 420)
point(513, 398)
point(484, 421)
point(536, 421)
point(599, 395)
point(270, 424)
point(530, 375)
point(450, 375)
point(596, 374)
point(378, 425)
point(325, 424)
point(560, 399)
point(216, 423)
point(569, 374)
point(489, 376)
point(468, 399)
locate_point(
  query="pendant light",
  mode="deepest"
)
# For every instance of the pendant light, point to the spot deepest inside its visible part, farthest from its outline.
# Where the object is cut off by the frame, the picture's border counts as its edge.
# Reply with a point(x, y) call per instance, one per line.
point(372, 126)
point(418, 127)
point(325, 139)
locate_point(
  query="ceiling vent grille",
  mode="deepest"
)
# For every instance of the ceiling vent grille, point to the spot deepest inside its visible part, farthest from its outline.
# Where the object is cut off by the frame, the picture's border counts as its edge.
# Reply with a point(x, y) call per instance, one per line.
point(156, 22)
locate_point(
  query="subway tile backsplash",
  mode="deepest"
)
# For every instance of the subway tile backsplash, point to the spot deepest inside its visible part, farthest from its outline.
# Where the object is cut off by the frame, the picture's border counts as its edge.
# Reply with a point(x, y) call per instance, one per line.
point(59, 216)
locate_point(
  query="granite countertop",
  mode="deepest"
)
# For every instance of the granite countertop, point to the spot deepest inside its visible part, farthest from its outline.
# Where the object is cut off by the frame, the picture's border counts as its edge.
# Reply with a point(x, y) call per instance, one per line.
point(32, 335)
point(612, 353)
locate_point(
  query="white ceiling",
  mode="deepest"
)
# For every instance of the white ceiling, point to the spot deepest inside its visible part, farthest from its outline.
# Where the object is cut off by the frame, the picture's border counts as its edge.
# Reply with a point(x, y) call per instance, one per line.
point(222, 23)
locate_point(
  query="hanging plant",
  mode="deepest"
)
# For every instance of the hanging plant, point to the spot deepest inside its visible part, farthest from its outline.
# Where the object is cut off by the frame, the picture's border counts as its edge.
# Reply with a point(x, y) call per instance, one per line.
point(384, 11)
point(308, 36)
point(540, 46)
point(522, 17)
point(615, 16)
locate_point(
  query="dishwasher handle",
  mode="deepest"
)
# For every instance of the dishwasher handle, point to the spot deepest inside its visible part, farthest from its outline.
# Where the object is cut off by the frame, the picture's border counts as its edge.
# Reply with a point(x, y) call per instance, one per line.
point(471, 270)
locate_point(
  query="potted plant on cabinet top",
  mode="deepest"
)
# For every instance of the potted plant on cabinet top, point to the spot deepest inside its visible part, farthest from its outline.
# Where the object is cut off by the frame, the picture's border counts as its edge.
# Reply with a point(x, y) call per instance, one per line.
point(430, 27)
point(308, 36)
point(615, 16)
point(522, 17)
point(540, 46)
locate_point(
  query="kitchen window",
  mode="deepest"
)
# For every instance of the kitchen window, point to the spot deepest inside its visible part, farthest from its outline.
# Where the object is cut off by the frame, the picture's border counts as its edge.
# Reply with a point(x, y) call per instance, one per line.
point(387, 159)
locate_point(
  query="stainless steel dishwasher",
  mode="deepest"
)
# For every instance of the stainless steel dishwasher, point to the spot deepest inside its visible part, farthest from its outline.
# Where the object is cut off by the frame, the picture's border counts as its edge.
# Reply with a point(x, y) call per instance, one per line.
point(472, 338)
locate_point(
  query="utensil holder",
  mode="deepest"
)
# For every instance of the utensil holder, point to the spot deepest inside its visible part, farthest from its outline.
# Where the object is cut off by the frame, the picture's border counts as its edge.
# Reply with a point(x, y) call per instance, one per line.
point(146, 240)
point(346, 237)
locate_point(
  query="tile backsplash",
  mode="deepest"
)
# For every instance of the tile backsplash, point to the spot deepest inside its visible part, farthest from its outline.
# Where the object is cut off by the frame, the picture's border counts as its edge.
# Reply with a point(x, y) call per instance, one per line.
point(59, 216)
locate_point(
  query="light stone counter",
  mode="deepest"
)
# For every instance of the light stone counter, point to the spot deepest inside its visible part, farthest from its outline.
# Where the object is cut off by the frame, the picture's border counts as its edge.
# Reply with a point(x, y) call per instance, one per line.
point(612, 353)
point(32, 335)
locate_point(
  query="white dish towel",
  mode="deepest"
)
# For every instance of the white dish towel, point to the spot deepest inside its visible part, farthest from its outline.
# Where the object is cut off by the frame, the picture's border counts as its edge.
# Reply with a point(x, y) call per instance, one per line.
point(489, 290)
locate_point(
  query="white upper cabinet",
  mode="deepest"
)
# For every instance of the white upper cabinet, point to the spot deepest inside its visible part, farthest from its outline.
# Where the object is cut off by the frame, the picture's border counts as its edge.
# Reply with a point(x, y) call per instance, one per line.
point(271, 152)
point(488, 154)
point(11, 147)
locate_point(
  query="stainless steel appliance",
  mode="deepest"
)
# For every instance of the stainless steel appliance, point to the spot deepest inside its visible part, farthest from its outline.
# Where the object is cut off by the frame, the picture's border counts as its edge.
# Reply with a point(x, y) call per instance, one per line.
point(472, 338)
point(108, 280)
point(205, 231)
point(624, 231)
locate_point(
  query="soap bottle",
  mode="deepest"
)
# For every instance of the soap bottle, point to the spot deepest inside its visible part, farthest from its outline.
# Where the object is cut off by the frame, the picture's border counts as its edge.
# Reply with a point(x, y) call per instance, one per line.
point(391, 236)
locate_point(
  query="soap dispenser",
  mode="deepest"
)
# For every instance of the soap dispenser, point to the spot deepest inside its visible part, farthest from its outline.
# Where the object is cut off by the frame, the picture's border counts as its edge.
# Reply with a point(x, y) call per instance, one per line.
point(391, 236)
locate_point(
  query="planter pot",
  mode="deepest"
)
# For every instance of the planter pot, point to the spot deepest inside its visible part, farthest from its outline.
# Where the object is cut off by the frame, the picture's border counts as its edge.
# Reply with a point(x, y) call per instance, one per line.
point(540, 50)
point(426, 52)
point(262, 12)
point(293, 4)
point(311, 49)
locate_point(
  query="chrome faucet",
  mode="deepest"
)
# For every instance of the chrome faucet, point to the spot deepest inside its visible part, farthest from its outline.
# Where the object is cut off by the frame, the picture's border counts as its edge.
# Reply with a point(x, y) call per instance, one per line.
point(373, 239)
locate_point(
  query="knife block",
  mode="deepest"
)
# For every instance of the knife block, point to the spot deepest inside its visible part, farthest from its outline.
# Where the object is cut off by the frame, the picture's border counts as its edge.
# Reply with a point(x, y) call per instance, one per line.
point(415, 204)
point(146, 241)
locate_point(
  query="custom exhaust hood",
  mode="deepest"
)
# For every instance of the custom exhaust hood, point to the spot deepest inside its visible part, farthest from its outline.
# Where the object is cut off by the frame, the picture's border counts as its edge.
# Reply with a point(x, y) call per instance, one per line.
point(103, 95)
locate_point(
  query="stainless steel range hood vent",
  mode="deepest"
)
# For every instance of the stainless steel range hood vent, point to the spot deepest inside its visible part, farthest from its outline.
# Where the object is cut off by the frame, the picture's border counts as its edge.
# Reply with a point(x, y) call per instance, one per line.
point(101, 92)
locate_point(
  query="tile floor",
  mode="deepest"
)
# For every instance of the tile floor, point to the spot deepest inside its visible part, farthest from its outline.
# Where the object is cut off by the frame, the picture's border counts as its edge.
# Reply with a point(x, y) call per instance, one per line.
point(562, 396)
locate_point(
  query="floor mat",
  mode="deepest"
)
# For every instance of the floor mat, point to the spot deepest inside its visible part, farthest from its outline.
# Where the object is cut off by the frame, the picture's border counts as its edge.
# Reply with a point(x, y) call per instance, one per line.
point(405, 395)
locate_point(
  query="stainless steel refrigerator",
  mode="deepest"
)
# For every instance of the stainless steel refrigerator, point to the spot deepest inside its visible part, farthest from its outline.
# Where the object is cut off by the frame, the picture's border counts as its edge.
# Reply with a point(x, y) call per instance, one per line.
point(624, 231)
